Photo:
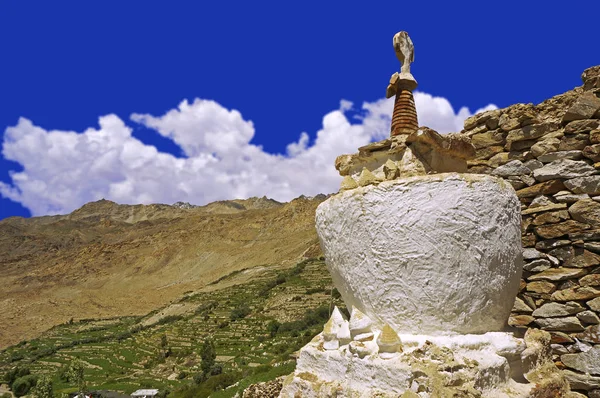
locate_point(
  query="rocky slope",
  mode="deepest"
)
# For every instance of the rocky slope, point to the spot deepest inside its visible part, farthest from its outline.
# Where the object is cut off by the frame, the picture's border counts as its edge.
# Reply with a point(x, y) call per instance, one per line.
point(106, 260)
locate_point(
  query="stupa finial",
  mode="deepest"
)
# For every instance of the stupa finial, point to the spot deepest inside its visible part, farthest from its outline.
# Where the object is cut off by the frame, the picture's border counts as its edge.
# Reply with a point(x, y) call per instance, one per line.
point(404, 118)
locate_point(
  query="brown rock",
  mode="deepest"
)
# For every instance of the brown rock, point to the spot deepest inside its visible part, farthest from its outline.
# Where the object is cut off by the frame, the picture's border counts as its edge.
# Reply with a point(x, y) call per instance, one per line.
point(507, 123)
point(480, 169)
point(586, 211)
point(541, 287)
point(488, 152)
point(591, 78)
point(520, 320)
point(551, 310)
point(545, 146)
point(592, 152)
point(367, 178)
point(591, 334)
point(574, 142)
point(453, 145)
point(589, 185)
point(560, 338)
point(588, 317)
point(581, 258)
point(343, 164)
point(553, 231)
point(520, 145)
point(595, 136)
point(590, 280)
point(492, 123)
point(576, 293)
point(348, 183)
point(544, 188)
point(551, 218)
point(531, 132)
point(586, 362)
point(528, 240)
point(563, 324)
point(390, 170)
point(582, 126)
point(594, 304)
point(552, 156)
point(520, 306)
point(552, 244)
point(489, 138)
point(543, 208)
point(558, 274)
point(480, 118)
point(580, 381)
point(584, 108)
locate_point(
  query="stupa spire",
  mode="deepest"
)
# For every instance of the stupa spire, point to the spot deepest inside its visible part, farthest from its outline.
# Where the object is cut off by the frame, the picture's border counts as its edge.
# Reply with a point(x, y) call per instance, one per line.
point(404, 118)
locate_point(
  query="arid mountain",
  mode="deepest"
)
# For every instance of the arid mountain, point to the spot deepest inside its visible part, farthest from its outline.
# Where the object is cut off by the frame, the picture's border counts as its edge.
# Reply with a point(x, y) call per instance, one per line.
point(106, 259)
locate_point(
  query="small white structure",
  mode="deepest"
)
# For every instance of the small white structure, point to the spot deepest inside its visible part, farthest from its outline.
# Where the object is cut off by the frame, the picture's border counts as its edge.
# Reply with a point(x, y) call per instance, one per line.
point(145, 393)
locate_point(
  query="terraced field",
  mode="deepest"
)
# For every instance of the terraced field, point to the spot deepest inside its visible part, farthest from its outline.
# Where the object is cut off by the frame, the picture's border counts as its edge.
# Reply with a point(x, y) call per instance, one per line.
point(161, 350)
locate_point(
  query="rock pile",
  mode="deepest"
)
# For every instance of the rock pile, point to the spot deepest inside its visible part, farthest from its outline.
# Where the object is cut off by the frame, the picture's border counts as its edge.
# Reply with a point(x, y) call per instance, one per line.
point(550, 154)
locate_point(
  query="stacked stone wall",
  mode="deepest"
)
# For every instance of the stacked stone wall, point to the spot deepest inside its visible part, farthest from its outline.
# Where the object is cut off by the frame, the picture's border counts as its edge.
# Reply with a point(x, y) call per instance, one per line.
point(550, 154)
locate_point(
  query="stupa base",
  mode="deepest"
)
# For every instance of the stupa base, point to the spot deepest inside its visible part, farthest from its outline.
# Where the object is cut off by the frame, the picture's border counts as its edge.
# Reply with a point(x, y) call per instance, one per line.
point(487, 365)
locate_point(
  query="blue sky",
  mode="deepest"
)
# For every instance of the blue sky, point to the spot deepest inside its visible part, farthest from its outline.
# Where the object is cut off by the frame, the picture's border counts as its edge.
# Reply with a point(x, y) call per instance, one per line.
point(92, 93)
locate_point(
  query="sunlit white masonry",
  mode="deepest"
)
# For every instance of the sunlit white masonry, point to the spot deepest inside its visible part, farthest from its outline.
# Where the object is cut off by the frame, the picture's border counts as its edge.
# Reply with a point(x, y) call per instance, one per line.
point(428, 262)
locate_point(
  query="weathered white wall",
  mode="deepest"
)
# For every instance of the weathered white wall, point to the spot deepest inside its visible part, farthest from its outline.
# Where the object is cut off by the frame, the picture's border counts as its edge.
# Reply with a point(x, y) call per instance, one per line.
point(431, 254)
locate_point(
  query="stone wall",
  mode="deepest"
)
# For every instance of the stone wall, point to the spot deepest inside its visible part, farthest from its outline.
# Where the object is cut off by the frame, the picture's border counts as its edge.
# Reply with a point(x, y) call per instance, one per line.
point(550, 153)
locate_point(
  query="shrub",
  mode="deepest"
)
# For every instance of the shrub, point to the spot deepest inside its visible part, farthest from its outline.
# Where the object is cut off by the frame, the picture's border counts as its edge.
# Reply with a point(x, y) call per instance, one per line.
point(273, 327)
point(240, 312)
point(22, 385)
point(208, 355)
point(14, 373)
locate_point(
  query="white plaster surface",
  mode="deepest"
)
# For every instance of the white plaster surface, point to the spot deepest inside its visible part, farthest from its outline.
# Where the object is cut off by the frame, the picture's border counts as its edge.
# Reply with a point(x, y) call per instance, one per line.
point(435, 254)
point(483, 362)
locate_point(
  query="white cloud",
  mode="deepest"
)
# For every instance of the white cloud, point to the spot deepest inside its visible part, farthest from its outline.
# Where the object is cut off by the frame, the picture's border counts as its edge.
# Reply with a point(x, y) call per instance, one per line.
point(64, 169)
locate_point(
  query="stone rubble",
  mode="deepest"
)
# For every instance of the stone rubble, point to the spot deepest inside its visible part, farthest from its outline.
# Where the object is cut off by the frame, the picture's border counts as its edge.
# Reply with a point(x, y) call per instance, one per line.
point(555, 144)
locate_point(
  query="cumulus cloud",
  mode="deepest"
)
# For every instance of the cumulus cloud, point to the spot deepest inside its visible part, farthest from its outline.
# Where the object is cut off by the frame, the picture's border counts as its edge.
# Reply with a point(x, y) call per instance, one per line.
point(62, 170)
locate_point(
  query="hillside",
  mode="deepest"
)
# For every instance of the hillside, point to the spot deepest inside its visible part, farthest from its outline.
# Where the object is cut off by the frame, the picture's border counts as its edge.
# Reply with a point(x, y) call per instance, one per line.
point(109, 260)
point(162, 349)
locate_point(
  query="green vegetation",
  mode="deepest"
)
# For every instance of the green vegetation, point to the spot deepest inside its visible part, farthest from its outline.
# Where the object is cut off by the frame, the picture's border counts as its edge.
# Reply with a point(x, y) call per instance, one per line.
point(243, 333)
